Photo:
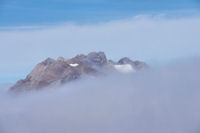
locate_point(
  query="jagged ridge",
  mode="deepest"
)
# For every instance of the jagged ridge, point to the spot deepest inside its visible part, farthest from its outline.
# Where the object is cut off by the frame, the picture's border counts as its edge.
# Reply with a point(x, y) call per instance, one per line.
point(61, 71)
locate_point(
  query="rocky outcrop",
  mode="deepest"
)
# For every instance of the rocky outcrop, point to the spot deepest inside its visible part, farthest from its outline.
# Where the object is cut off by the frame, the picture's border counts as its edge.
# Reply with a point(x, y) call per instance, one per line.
point(137, 65)
point(60, 71)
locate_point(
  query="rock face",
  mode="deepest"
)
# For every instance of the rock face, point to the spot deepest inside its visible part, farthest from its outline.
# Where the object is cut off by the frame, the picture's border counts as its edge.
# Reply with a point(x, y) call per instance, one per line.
point(57, 72)
point(135, 64)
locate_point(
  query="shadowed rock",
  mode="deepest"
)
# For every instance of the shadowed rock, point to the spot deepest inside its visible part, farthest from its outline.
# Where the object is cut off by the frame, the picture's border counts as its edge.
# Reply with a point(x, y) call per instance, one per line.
point(138, 65)
point(57, 72)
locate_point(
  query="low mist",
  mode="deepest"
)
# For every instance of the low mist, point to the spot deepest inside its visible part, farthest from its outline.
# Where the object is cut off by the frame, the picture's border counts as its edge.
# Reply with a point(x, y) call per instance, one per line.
point(158, 100)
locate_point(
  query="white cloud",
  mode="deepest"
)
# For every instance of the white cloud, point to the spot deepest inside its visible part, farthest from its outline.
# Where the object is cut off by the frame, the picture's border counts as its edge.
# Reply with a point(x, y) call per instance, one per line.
point(165, 100)
point(127, 68)
point(146, 38)
point(5, 86)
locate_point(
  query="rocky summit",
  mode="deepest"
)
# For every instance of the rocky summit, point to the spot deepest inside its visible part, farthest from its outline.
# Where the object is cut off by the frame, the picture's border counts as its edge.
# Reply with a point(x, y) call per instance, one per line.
point(57, 72)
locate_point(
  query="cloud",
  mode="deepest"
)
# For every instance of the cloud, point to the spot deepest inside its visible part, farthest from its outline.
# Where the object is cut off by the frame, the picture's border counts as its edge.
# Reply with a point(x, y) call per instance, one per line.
point(148, 38)
point(5, 86)
point(164, 100)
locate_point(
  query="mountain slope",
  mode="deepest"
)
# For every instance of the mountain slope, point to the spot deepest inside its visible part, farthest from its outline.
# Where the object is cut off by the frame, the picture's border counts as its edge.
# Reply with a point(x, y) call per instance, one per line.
point(52, 72)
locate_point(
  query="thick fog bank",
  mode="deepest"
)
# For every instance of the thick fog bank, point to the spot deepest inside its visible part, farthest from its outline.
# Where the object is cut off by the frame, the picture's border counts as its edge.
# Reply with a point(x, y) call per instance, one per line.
point(162, 100)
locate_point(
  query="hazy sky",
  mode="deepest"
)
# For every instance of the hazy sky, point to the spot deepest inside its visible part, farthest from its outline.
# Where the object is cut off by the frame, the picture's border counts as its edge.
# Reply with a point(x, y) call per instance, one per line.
point(154, 31)
point(26, 12)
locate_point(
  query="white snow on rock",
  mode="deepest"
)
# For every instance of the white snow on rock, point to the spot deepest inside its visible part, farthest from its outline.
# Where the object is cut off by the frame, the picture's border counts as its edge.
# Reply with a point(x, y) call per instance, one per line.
point(74, 65)
point(126, 68)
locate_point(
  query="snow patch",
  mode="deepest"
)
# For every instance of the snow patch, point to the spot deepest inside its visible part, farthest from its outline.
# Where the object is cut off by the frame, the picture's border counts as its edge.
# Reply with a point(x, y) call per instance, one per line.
point(126, 68)
point(74, 65)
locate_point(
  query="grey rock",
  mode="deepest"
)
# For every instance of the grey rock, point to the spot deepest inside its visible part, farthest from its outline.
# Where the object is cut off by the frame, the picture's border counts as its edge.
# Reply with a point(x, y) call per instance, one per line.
point(52, 72)
point(125, 60)
point(49, 71)
point(138, 65)
point(98, 59)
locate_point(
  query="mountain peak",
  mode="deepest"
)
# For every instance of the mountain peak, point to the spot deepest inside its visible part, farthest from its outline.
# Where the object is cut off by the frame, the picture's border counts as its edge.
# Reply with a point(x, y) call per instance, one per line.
point(52, 72)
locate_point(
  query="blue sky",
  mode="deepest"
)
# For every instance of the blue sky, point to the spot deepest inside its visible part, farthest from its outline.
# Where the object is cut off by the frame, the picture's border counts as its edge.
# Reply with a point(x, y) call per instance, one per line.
point(154, 31)
point(34, 12)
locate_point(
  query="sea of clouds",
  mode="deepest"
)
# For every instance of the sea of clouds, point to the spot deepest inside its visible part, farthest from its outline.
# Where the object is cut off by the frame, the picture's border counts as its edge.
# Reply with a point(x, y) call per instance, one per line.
point(151, 38)
point(158, 100)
